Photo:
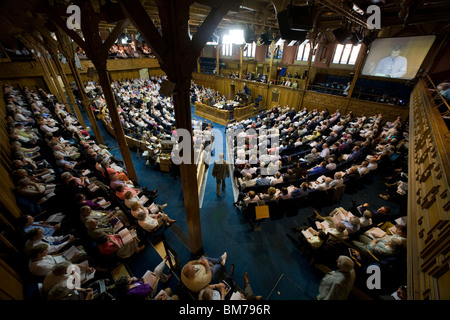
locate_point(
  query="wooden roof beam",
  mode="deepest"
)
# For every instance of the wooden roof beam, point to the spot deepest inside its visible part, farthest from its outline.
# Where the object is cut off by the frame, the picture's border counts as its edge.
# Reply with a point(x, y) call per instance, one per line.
point(232, 5)
point(54, 15)
point(117, 31)
point(136, 13)
point(97, 51)
point(205, 30)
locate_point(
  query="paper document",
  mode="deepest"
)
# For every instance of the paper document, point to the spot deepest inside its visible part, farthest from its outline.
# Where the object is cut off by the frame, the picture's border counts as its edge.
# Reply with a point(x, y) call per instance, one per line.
point(151, 278)
point(127, 235)
point(56, 218)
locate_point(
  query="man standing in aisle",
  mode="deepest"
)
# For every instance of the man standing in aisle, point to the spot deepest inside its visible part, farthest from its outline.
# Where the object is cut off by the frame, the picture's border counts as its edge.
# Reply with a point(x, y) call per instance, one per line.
point(221, 171)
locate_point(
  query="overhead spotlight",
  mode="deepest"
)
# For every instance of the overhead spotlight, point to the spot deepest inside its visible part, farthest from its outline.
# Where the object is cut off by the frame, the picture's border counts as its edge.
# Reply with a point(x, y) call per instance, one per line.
point(294, 22)
point(342, 35)
point(249, 36)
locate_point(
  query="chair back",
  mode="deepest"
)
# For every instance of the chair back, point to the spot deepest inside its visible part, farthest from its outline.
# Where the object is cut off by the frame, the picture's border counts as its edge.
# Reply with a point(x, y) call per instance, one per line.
point(338, 193)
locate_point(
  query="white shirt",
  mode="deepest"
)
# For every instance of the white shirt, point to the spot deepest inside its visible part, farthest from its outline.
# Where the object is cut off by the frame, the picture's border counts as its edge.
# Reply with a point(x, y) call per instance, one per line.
point(51, 280)
point(331, 166)
point(336, 183)
point(42, 267)
point(363, 222)
point(325, 153)
point(148, 223)
point(363, 170)
point(52, 248)
point(336, 285)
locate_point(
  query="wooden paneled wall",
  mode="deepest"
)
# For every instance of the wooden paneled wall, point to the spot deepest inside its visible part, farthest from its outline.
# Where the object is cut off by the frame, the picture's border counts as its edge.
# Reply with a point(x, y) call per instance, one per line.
point(11, 287)
point(262, 67)
point(23, 74)
point(284, 96)
point(120, 68)
point(428, 200)
point(213, 114)
point(31, 74)
point(296, 98)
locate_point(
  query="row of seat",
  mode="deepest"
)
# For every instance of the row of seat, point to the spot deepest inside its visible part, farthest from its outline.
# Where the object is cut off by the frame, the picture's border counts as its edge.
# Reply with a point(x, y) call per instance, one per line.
point(290, 207)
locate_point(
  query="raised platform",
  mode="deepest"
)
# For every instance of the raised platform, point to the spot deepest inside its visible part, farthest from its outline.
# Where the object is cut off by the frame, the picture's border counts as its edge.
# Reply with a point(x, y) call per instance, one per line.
point(221, 116)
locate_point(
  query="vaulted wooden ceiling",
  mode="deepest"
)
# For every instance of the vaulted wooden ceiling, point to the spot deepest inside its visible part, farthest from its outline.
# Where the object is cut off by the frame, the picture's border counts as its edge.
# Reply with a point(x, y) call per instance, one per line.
point(263, 13)
point(424, 16)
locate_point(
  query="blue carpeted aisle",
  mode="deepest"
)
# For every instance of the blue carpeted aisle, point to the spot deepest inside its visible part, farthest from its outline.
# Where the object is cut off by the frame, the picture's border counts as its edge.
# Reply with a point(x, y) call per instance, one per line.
point(266, 255)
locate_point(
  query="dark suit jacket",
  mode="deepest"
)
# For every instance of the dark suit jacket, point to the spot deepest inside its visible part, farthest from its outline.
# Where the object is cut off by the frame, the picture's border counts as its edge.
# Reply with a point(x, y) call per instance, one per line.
point(289, 178)
point(221, 170)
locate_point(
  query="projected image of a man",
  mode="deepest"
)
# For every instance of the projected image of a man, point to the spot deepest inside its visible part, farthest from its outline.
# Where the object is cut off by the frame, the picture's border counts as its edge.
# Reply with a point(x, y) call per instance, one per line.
point(393, 66)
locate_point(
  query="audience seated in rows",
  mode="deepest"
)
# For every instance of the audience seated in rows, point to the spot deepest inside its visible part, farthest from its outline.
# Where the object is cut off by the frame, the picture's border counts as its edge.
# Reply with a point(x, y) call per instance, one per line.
point(55, 176)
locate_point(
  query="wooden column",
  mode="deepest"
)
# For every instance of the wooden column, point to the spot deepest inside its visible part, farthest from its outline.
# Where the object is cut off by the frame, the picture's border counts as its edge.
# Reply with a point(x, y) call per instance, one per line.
point(272, 52)
point(177, 55)
point(313, 41)
point(217, 60)
point(47, 77)
point(188, 172)
point(50, 44)
point(357, 72)
point(269, 93)
point(68, 90)
point(115, 119)
point(85, 102)
point(428, 204)
point(97, 51)
point(175, 31)
point(66, 47)
point(62, 96)
point(241, 58)
point(358, 69)
point(308, 69)
point(100, 65)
